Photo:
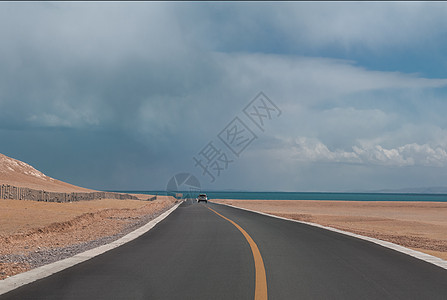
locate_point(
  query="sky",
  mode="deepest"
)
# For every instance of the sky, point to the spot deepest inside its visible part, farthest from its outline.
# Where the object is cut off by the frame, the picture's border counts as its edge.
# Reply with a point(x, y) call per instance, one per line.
point(124, 96)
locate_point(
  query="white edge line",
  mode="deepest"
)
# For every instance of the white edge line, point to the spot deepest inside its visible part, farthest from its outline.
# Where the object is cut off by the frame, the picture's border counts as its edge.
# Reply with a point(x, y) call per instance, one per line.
point(21, 279)
point(417, 254)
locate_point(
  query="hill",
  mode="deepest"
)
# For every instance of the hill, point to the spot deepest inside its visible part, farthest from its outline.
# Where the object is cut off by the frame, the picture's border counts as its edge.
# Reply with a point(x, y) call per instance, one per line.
point(17, 173)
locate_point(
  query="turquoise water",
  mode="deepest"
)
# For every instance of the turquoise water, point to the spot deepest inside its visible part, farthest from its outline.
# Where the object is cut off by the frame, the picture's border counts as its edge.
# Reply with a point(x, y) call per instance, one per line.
point(311, 196)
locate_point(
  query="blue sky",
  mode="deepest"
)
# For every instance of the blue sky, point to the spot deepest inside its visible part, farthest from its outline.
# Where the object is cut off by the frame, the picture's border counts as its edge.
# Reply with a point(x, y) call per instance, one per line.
point(122, 96)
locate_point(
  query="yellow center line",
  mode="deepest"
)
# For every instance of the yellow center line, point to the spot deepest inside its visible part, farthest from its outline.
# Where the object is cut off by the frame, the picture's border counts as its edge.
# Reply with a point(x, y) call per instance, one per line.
point(260, 278)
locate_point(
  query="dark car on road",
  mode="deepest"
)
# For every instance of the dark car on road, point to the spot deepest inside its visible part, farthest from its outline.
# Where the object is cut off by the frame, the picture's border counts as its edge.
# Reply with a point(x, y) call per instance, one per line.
point(202, 197)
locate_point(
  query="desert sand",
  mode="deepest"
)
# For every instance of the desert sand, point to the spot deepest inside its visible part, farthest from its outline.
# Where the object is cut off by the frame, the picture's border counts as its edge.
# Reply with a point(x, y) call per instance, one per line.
point(420, 226)
point(30, 227)
point(34, 233)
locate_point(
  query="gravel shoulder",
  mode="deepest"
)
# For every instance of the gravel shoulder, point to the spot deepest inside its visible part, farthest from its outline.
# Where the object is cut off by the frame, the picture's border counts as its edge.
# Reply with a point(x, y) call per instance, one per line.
point(34, 233)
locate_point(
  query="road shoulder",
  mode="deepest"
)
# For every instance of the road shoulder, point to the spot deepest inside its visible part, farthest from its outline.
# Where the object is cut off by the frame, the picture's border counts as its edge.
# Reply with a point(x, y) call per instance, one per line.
point(419, 255)
point(18, 280)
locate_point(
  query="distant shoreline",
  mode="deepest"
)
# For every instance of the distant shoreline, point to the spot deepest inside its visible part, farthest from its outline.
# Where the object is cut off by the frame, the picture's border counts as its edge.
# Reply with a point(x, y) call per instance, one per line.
point(323, 196)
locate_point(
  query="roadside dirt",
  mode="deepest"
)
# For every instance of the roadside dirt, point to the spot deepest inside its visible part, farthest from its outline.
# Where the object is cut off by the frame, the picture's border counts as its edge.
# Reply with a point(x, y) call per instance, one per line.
point(30, 227)
point(421, 226)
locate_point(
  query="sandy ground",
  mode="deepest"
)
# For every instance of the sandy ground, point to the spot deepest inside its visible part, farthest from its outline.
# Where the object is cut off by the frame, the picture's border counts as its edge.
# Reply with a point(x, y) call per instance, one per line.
point(34, 233)
point(417, 225)
point(30, 226)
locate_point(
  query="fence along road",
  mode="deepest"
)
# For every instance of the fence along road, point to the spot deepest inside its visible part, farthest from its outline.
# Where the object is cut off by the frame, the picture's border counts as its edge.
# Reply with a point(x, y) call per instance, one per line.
point(21, 193)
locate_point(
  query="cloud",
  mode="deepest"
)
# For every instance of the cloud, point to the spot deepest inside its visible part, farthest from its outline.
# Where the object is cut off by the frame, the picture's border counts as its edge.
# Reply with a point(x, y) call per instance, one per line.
point(315, 76)
point(372, 25)
point(308, 27)
point(99, 65)
point(156, 81)
point(311, 150)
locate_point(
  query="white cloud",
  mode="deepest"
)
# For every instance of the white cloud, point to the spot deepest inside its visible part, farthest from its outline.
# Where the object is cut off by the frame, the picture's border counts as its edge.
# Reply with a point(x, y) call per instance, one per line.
point(299, 81)
point(312, 150)
point(62, 115)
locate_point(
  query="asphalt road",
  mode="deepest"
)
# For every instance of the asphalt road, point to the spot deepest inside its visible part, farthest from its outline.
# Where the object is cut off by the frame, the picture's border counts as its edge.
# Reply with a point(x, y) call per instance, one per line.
point(197, 254)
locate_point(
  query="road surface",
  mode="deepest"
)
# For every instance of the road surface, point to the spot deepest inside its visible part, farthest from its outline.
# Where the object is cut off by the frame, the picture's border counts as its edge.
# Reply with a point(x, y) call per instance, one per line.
point(198, 253)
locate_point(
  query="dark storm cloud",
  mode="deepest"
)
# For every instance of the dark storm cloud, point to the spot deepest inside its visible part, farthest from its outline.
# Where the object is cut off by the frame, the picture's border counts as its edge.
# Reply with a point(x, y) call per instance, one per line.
point(122, 95)
point(87, 65)
point(126, 75)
